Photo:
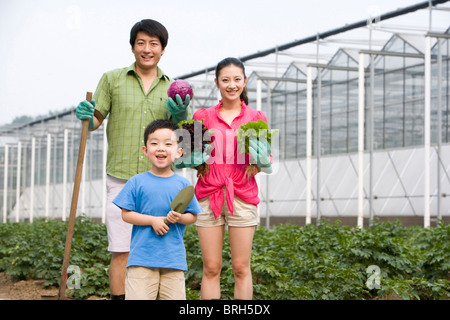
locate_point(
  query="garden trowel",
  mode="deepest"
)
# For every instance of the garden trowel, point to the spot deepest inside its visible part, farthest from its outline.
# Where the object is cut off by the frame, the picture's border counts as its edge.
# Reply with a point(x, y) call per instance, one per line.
point(182, 200)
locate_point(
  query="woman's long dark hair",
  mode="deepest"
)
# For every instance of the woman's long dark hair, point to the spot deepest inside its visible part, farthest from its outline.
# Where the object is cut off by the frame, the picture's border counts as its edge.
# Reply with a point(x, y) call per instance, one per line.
point(236, 62)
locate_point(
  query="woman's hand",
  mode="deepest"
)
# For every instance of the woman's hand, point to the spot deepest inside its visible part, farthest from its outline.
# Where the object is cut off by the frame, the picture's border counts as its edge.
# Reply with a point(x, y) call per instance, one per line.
point(259, 150)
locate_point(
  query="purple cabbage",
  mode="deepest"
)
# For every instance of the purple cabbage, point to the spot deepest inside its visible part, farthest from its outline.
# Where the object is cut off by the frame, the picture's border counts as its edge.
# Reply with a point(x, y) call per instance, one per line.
point(181, 87)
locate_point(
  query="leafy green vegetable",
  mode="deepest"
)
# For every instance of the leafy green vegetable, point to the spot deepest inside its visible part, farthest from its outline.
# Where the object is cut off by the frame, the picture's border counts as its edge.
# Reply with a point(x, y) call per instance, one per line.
point(253, 129)
point(199, 135)
point(198, 141)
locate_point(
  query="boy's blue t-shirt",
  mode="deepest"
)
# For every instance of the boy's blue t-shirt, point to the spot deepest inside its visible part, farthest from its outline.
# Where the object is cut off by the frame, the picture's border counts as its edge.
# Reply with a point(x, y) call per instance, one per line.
point(146, 193)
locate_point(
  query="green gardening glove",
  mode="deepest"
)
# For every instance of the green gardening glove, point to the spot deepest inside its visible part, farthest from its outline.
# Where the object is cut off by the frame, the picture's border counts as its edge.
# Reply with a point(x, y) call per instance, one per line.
point(85, 110)
point(195, 159)
point(259, 150)
point(178, 109)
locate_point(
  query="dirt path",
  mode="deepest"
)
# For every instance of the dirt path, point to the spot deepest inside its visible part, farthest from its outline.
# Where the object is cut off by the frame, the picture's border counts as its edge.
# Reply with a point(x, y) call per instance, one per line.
point(27, 290)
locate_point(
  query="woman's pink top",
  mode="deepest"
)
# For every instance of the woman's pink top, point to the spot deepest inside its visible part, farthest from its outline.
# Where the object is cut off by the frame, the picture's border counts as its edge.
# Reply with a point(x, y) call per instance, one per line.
point(226, 165)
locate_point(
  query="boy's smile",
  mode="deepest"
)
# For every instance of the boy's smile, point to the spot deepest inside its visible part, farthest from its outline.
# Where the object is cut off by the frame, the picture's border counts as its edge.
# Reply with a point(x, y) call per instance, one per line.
point(162, 149)
point(161, 157)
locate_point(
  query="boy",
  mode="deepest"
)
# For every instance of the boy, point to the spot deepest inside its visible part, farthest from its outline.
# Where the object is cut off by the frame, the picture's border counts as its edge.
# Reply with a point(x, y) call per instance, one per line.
point(157, 258)
point(130, 96)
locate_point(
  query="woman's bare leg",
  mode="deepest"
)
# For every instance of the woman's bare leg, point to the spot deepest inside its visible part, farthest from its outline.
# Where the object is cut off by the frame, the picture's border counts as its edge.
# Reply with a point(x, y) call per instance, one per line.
point(211, 243)
point(241, 239)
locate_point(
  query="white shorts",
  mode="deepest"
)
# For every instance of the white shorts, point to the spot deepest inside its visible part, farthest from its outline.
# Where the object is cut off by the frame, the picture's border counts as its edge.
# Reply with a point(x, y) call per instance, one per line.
point(119, 231)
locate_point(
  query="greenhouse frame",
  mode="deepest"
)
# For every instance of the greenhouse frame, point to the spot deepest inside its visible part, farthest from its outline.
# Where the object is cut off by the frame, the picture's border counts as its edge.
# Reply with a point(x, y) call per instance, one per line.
point(362, 114)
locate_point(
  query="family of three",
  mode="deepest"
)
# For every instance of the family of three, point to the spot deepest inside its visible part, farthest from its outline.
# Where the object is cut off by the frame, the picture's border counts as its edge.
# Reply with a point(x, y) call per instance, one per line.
point(148, 256)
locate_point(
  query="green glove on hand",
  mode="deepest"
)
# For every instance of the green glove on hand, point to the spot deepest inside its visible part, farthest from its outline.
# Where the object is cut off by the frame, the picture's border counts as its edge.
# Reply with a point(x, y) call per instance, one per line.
point(85, 110)
point(259, 150)
point(178, 109)
point(195, 159)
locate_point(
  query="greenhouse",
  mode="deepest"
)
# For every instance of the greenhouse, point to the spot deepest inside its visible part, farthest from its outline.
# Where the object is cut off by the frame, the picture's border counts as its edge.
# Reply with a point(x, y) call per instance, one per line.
point(362, 114)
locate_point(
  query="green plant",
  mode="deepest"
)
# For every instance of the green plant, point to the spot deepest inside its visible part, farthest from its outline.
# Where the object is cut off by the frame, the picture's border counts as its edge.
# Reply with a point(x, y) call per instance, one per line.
point(325, 261)
point(253, 130)
point(35, 251)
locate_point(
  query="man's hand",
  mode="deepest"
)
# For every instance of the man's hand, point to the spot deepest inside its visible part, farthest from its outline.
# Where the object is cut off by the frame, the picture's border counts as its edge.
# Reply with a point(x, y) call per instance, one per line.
point(179, 109)
point(85, 110)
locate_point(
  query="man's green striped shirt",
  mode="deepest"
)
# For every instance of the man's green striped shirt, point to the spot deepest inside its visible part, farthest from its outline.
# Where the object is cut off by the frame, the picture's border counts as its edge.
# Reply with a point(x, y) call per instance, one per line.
point(121, 95)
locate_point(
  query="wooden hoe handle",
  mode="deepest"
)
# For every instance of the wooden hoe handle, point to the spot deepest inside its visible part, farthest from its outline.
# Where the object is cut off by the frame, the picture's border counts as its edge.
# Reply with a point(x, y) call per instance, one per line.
point(73, 207)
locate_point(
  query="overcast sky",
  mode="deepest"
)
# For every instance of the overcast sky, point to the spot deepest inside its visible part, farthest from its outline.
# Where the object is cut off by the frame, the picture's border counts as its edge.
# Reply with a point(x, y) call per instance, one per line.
point(53, 51)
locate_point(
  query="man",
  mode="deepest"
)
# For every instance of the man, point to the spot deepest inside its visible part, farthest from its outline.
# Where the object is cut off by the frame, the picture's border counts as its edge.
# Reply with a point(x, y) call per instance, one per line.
point(132, 97)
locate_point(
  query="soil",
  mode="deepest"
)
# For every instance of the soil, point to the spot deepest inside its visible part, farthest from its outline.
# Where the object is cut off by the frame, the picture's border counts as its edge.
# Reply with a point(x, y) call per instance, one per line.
point(29, 290)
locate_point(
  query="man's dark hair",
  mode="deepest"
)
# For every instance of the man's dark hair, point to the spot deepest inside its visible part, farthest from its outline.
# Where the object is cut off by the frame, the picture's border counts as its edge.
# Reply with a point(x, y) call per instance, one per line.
point(158, 124)
point(152, 28)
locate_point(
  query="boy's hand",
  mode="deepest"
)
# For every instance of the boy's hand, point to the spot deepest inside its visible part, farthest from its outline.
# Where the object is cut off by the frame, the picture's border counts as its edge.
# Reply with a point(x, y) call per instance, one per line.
point(159, 226)
point(173, 217)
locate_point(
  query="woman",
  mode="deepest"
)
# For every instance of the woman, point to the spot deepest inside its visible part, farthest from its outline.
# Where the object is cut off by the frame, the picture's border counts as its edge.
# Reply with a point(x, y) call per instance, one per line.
point(226, 194)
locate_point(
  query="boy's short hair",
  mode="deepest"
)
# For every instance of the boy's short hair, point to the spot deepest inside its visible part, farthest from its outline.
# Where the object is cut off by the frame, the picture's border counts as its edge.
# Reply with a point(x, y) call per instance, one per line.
point(158, 124)
point(152, 28)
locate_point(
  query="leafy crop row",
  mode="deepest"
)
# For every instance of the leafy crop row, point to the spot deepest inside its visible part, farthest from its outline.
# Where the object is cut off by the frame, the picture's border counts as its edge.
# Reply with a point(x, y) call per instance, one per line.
point(35, 251)
point(327, 261)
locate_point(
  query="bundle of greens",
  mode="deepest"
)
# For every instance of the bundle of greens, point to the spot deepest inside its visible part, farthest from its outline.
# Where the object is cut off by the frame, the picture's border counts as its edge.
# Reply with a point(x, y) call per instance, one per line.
point(196, 141)
point(253, 129)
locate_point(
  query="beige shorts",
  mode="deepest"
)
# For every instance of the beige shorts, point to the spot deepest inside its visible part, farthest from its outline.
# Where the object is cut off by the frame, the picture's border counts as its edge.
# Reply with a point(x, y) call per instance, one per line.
point(244, 214)
point(119, 231)
point(143, 283)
